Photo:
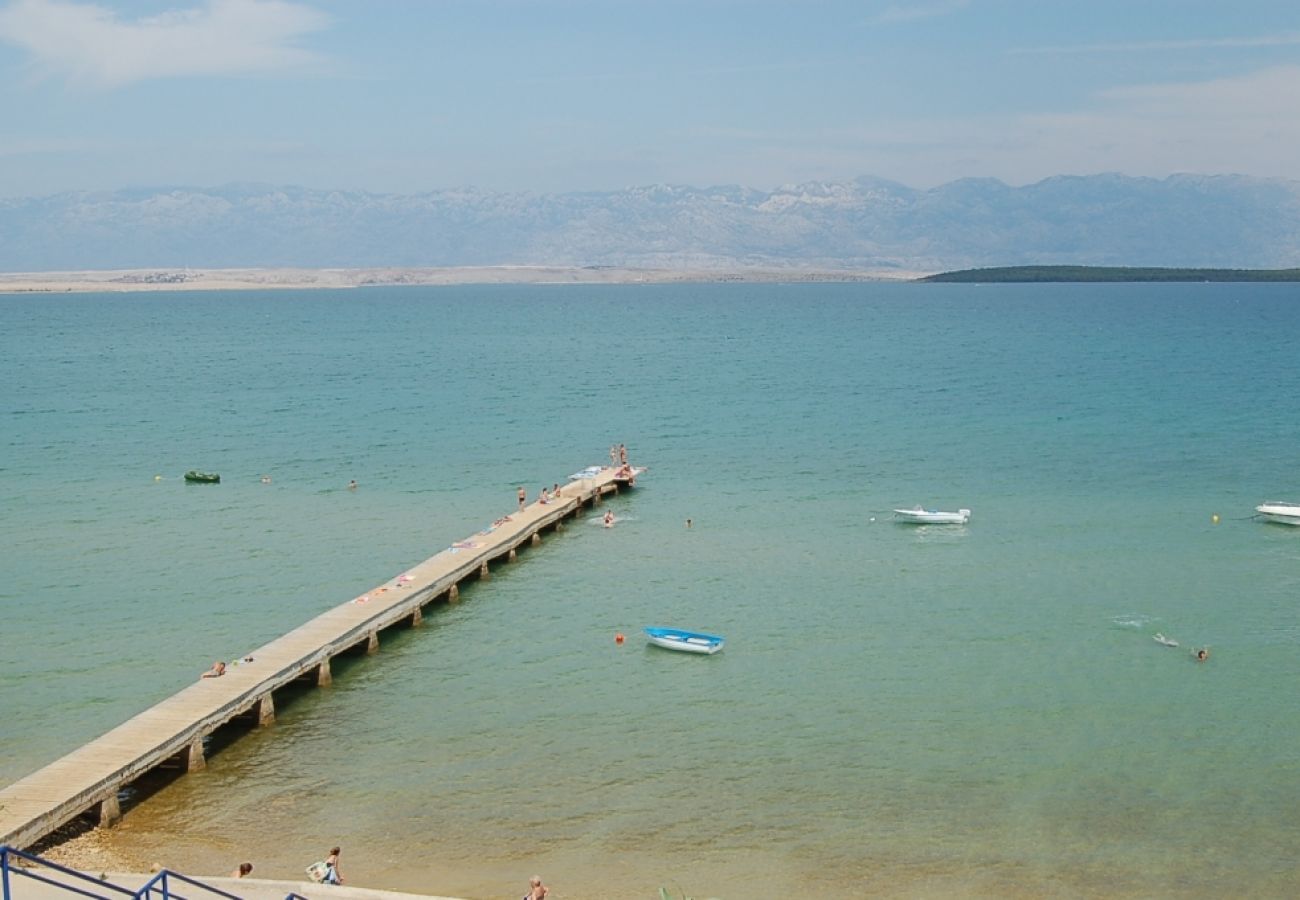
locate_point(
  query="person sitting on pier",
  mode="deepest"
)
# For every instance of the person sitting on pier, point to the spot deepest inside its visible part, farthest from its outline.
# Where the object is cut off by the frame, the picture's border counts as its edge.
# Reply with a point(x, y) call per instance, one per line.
point(544, 497)
point(218, 669)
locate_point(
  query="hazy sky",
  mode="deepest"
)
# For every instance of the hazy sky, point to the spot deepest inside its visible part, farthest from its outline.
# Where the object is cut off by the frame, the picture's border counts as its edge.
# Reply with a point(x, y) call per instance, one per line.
point(560, 95)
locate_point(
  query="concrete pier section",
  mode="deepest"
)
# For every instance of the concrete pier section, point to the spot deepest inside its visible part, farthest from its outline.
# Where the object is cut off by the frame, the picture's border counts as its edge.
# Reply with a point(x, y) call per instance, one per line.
point(171, 734)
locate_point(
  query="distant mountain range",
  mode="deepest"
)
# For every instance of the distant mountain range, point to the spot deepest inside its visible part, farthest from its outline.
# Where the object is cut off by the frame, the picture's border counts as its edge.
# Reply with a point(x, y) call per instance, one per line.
point(867, 224)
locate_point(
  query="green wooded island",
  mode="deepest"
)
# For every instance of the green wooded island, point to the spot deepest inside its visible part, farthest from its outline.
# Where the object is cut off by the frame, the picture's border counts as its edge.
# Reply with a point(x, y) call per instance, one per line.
point(1025, 274)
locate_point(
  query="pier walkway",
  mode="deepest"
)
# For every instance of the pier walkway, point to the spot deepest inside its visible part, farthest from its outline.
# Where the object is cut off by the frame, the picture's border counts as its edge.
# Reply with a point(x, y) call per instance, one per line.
point(171, 733)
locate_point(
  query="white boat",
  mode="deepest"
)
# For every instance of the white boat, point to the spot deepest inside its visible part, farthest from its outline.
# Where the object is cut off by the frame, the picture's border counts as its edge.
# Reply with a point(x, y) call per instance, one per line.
point(687, 641)
point(922, 516)
point(1280, 511)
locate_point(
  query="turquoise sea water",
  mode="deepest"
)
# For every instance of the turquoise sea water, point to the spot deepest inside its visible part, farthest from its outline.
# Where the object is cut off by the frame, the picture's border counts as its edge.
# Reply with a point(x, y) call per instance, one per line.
point(900, 711)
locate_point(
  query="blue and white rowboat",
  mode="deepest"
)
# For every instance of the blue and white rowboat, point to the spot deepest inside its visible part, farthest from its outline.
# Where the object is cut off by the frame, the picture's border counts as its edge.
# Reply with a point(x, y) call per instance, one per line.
point(686, 641)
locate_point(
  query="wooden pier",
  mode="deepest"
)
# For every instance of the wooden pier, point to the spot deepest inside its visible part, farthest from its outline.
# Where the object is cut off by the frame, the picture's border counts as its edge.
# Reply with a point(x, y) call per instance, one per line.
point(171, 733)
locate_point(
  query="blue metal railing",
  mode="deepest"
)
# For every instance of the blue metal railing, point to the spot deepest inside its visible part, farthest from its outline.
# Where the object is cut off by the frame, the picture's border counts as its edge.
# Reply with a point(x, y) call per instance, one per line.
point(102, 890)
point(159, 887)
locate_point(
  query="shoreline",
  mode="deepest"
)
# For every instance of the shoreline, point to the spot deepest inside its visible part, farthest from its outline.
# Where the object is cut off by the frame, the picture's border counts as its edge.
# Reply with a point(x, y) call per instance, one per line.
point(185, 279)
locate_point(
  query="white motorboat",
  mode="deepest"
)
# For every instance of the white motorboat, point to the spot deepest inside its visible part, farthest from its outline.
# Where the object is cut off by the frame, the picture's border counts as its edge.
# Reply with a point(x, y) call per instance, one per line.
point(1280, 511)
point(922, 516)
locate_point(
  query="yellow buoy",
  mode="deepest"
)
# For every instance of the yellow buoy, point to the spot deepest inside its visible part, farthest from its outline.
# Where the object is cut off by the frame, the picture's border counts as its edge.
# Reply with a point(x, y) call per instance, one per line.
point(1215, 518)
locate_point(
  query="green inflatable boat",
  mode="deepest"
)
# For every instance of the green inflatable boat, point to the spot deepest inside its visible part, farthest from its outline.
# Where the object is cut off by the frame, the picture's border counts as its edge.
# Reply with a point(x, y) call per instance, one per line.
point(194, 477)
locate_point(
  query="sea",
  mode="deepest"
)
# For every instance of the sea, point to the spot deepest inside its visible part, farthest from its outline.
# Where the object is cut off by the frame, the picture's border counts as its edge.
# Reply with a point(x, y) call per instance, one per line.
point(899, 711)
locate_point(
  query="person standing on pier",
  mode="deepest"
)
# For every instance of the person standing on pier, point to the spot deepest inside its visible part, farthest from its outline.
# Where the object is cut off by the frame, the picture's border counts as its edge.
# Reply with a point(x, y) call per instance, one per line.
point(523, 498)
point(622, 454)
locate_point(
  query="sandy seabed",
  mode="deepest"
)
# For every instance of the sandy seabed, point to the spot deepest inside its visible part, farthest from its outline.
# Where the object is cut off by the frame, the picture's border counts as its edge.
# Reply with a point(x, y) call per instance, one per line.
point(163, 279)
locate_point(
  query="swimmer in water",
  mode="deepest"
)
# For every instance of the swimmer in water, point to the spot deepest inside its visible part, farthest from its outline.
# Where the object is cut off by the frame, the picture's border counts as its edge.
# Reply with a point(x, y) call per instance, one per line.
point(1203, 654)
point(609, 518)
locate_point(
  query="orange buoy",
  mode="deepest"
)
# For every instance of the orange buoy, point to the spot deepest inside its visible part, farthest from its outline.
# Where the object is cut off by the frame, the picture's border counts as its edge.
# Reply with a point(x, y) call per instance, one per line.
point(618, 637)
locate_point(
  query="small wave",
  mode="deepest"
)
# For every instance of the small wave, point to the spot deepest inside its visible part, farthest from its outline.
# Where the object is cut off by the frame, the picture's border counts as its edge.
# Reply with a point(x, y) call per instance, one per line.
point(1132, 620)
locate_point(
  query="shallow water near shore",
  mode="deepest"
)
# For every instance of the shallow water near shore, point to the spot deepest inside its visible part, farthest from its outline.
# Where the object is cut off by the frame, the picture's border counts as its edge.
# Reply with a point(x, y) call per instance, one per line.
point(977, 710)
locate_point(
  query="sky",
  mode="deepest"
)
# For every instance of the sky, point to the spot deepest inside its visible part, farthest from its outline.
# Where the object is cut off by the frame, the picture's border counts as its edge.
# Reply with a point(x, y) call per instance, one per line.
point(544, 96)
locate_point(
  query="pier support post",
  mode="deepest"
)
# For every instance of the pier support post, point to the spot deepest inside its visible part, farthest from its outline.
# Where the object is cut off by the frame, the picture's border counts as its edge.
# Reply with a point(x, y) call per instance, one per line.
point(110, 811)
point(194, 761)
point(265, 710)
point(453, 594)
point(513, 557)
point(417, 616)
point(372, 643)
point(323, 676)
point(484, 572)
point(537, 538)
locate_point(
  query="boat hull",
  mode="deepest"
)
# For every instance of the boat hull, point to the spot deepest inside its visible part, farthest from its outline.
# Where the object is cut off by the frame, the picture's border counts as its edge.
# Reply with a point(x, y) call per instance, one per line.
point(921, 516)
point(1282, 513)
point(202, 478)
point(684, 641)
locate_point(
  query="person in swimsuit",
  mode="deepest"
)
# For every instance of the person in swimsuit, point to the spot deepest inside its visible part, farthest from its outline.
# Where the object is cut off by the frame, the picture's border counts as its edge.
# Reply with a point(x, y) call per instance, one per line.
point(523, 498)
point(332, 873)
point(218, 669)
point(609, 518)
point(536, 890)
